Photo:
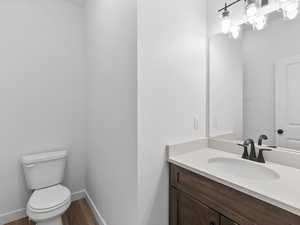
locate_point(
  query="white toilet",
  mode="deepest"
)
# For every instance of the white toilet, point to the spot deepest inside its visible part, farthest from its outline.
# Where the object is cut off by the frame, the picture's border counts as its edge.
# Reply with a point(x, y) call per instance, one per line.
point(44, 172)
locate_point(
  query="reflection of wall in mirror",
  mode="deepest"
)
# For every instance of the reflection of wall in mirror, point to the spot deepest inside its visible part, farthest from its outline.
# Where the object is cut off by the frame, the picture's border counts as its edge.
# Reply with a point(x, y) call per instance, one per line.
point(226, 86)
point(261, 50)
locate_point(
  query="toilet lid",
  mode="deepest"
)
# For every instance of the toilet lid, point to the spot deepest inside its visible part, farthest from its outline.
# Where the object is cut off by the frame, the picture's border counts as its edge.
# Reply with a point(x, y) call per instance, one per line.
point(50, 197)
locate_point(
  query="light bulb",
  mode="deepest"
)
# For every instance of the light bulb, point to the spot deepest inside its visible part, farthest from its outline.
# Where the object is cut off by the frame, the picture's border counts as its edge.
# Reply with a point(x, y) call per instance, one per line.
point(283, 2)
point(260, 22)
point(293, 5)
point(251, 10)
point(290, 8)
point(226, 23)
point(252, 19)
point(292, 14)
point(235, 31)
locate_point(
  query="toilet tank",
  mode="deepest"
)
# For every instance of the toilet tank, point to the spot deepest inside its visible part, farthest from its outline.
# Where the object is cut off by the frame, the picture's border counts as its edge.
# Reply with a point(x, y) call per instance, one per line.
point(44, 169)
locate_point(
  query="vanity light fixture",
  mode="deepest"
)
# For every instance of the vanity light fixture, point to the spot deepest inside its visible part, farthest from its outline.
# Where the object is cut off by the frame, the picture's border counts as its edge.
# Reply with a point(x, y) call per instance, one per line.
point(226, 23)
point(254, 14)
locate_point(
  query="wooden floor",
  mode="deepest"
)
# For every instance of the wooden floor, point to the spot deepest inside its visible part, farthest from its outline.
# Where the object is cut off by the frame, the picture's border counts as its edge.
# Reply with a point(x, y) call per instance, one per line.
point(79, 213)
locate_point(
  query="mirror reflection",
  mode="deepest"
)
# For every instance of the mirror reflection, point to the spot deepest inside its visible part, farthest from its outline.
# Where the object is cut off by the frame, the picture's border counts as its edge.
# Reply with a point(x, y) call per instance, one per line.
point(254, 84)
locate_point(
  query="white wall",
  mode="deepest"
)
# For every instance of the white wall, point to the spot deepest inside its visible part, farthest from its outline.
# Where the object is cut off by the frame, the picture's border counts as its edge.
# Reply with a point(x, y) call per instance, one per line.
point(226, 77)
point(171, 91)
point(42, 90)
point(112, 156)
point(44, 96)
point(261, 50)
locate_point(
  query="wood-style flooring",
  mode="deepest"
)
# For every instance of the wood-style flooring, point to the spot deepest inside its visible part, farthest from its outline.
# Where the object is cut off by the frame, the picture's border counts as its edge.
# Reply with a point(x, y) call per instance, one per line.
point(79, 213)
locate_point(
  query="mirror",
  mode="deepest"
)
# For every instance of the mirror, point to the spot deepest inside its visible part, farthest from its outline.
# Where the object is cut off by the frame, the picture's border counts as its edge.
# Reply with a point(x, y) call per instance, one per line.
point(254, 84)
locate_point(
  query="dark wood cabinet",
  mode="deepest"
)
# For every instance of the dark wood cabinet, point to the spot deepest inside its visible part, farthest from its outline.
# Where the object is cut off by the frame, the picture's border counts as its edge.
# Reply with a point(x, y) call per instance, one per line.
point(197, 200)
point(185, 210)
point(226, 221)
point(192, 212)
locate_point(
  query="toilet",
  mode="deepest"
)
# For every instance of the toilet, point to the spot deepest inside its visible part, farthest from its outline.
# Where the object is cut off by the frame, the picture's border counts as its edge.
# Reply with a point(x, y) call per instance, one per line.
point(44, 173)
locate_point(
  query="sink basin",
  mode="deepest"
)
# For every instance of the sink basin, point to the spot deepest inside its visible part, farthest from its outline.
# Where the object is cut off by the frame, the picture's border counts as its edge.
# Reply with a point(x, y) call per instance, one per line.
point(243, 169)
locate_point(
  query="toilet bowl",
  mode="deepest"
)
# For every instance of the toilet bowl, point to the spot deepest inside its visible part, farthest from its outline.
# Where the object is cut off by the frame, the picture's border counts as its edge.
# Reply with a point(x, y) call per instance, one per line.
point(46, 206)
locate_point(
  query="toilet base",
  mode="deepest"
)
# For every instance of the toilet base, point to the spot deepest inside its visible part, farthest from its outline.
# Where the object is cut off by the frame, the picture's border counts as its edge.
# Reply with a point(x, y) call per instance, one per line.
point(53, 221)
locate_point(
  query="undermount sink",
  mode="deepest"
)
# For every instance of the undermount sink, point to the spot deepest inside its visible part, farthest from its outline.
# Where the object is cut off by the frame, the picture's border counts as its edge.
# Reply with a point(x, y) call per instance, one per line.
point(243, 168)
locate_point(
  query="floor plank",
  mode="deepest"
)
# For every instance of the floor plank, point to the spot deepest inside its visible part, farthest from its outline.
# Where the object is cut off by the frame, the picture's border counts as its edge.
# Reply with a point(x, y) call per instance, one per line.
point(65, 220)
point(23, 221)
point(79, 213)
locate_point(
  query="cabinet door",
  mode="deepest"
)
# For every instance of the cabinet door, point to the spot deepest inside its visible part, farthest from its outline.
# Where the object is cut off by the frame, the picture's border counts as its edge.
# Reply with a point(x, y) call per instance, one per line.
point(192, 212)
point(173, 206)
point(226, 221)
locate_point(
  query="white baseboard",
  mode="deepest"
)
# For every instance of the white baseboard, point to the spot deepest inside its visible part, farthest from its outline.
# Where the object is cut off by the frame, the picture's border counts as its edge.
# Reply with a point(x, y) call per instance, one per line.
point(96, 212)
point(21, 213)
point(13, 215)
point(78, 195)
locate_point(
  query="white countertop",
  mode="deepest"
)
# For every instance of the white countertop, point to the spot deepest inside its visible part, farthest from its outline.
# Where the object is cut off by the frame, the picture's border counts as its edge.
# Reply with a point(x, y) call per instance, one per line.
point(283, 192)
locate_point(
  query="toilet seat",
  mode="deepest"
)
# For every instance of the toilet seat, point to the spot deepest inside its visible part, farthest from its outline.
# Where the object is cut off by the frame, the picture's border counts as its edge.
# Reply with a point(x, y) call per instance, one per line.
point(49, 199)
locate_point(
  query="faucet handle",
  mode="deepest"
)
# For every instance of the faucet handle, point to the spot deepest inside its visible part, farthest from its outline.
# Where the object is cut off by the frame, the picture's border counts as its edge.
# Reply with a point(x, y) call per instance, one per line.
point(242, 145)
point(260, 157)
point(245, 153)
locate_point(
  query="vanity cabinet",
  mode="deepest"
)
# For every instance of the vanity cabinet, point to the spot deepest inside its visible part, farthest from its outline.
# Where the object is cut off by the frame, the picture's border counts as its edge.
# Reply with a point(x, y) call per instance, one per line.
point(197, 200)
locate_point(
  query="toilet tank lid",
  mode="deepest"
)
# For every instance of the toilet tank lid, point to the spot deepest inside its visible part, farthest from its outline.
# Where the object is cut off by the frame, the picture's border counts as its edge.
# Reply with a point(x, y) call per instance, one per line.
point(42, 157)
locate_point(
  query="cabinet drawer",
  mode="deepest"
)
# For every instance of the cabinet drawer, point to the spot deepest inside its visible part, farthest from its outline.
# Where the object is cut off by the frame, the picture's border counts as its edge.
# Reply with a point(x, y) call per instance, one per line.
point(239, 207)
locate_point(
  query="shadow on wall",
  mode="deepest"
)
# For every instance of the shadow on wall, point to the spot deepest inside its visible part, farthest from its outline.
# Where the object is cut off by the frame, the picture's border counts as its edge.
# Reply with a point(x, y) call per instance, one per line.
point(160, 203)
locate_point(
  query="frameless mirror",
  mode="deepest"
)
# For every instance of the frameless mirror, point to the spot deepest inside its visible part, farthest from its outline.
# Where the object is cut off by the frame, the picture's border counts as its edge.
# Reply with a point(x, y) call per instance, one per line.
point(254, 84)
